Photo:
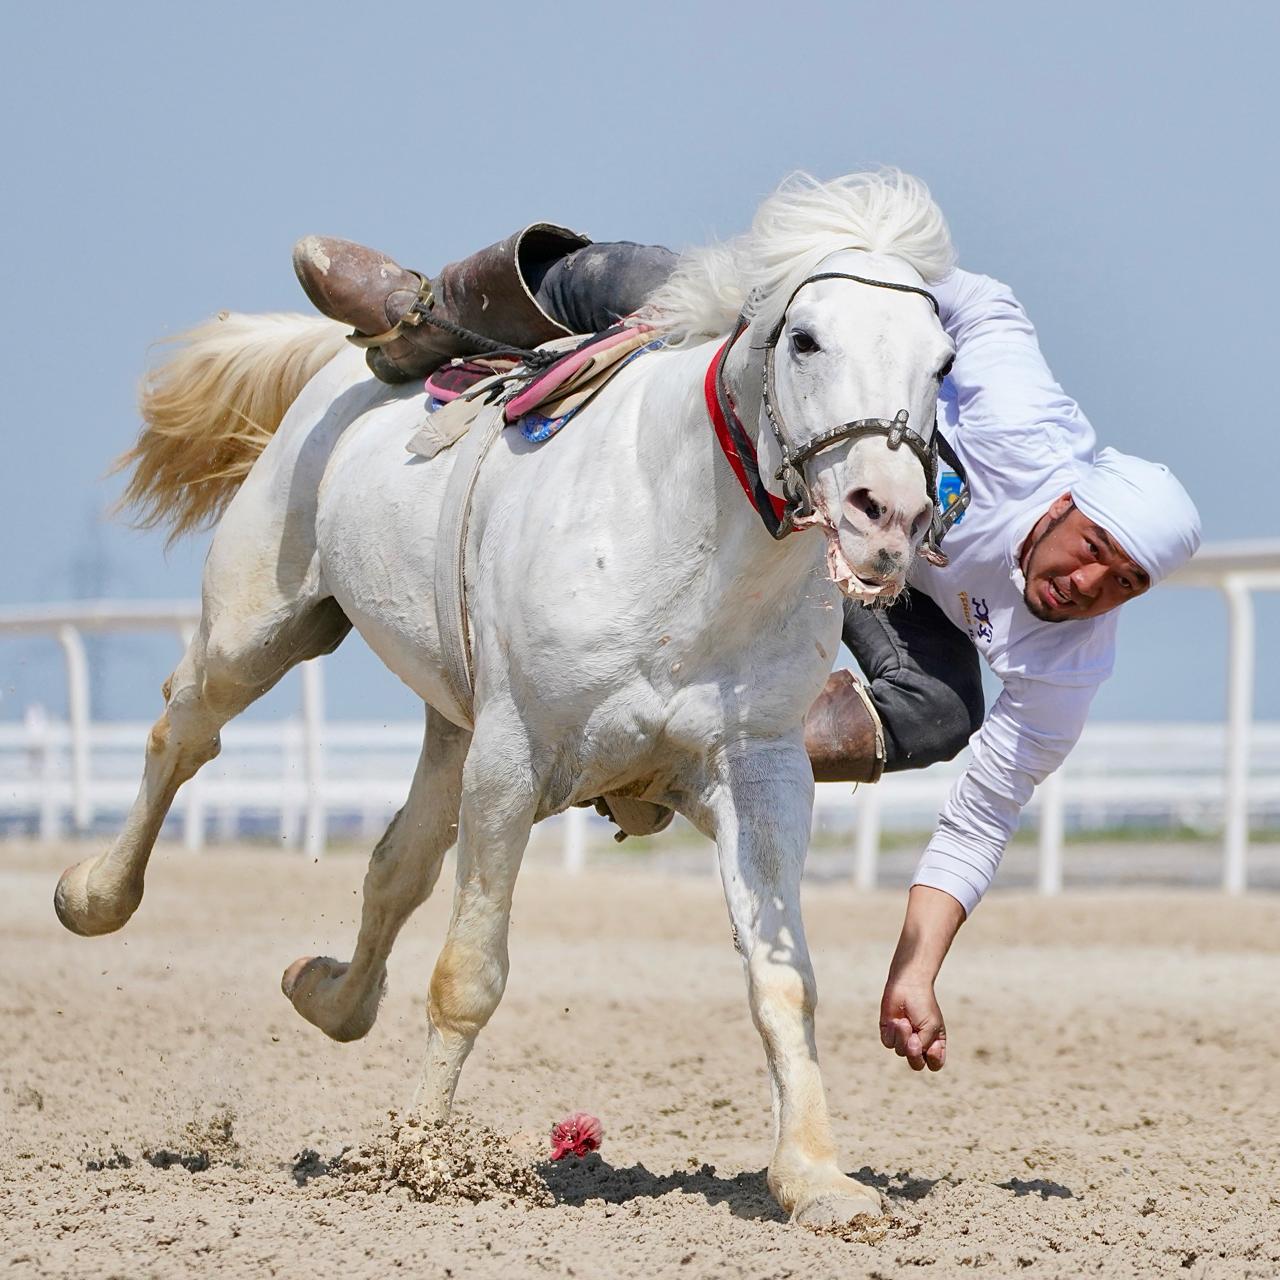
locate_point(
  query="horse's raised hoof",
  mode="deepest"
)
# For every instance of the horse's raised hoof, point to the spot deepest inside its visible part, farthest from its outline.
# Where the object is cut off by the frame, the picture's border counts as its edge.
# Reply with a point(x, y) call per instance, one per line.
point(85, 909)
point(839, 1209)
point(316, 987)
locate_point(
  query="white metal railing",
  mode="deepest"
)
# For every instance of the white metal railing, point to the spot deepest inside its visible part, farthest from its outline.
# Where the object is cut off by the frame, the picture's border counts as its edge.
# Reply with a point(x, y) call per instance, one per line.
point(1218, 775)
point(1237, 570)
point(68, 621)
point(1118, 774)
point(299, 778)
point(263, 772)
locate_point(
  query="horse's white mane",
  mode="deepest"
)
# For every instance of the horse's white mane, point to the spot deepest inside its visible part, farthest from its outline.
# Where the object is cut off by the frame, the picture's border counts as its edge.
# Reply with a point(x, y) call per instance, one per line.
point(802, 222)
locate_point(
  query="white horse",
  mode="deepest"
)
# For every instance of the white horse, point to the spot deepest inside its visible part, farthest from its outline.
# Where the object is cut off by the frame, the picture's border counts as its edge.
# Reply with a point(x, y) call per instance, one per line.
point(635, 630)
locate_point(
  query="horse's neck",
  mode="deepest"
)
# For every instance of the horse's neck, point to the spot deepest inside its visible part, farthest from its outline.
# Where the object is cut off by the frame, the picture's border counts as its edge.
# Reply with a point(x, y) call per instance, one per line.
point(703, 497)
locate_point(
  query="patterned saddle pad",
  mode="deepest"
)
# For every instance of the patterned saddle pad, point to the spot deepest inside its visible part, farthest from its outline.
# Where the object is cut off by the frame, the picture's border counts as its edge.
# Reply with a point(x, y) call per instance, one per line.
point(541, 403)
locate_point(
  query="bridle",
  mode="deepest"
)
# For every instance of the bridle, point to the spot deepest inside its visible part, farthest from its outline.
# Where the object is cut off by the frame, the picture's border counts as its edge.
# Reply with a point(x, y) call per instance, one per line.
point(797, 507)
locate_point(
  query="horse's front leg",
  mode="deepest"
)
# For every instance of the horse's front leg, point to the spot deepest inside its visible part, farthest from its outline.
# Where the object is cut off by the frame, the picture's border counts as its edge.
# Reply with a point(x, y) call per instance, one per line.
point(760, 806)
point(499, 800)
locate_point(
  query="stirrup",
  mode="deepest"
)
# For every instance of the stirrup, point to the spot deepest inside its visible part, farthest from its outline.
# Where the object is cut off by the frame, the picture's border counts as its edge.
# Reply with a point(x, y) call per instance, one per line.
point(410, 320)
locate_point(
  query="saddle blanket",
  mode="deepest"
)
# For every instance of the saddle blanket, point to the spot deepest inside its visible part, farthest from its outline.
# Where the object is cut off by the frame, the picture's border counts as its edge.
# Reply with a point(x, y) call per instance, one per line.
point(540, 403)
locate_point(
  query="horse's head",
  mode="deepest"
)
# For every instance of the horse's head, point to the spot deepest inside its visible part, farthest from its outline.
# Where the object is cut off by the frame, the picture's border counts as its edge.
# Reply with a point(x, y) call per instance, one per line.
point(847, 357)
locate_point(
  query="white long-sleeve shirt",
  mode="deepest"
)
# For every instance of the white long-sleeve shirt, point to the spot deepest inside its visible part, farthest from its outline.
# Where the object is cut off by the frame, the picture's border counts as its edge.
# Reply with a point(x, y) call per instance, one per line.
point(1023, 442)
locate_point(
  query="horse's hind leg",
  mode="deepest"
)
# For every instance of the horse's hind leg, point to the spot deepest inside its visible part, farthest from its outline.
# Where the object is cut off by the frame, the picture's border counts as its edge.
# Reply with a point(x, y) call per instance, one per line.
point(230, 662)
point(342, 999)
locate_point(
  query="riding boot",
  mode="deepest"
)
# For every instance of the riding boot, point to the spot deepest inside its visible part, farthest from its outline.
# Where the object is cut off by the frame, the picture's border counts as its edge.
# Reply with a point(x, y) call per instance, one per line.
point(409, 324)
point(843, 734)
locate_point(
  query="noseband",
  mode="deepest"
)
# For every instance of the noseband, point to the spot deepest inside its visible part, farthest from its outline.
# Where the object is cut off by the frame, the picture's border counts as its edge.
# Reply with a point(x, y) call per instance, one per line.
point(798, 503)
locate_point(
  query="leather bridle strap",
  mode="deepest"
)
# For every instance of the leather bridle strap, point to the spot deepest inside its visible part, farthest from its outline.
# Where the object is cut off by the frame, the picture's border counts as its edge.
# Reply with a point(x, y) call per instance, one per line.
point(845, 275)
point(944, 518)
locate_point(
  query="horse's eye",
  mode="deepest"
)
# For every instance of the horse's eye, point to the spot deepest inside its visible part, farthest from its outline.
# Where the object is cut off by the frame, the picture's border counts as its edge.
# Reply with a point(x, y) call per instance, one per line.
point(803, 343)
point(946, 369)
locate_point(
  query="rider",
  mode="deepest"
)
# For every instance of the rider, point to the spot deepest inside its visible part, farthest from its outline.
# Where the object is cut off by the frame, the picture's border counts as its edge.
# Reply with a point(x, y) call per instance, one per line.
point(1057, 532)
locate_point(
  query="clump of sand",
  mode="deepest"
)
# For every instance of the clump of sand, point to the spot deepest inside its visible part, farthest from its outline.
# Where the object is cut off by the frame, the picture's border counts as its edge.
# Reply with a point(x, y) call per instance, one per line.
point(868, 1229)
point(205, 1141)
point(458, 1159)
point(214, 1136)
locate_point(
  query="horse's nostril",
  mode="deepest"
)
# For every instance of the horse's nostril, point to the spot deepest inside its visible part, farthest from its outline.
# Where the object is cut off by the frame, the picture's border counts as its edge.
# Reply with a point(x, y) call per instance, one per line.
point(886, 564)
point(863, 501)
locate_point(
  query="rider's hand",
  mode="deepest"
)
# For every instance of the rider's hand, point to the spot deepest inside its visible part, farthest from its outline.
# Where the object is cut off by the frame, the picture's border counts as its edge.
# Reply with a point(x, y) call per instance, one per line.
point(911, 1023)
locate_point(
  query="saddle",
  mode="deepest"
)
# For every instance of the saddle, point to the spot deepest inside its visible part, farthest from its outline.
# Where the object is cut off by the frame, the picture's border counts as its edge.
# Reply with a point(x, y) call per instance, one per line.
point(540, 401)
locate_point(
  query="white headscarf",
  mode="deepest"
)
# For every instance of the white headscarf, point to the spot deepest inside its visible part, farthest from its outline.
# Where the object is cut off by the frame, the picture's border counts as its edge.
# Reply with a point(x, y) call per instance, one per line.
point(1142, 505)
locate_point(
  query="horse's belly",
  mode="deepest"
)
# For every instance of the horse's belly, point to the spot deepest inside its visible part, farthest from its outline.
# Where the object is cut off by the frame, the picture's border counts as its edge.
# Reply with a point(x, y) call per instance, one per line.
point(376, 529)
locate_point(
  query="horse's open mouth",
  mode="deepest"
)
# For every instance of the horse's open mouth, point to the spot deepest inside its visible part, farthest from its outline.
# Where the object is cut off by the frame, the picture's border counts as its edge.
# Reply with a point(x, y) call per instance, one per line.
point(865, 590)
point(871, 591)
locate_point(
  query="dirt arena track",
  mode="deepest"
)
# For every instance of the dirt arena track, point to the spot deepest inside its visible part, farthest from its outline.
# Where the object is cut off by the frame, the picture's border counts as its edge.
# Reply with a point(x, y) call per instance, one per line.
point(1110, 1107)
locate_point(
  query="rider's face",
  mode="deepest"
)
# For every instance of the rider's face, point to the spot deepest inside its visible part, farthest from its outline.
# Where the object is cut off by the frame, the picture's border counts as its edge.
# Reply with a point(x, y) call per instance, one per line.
point(1074, 568)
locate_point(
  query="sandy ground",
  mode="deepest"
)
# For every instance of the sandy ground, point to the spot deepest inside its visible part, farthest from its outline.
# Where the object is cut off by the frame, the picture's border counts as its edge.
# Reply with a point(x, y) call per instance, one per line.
point(1111, 1103)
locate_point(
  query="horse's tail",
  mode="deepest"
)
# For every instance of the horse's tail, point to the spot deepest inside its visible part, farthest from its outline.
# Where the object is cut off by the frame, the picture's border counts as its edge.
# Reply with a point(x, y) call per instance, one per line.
point(210, 408)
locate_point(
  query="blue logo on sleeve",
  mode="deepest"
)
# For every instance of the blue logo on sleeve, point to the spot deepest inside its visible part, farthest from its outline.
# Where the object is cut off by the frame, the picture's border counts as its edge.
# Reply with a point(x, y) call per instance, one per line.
point(949, 488)
point(983, 615)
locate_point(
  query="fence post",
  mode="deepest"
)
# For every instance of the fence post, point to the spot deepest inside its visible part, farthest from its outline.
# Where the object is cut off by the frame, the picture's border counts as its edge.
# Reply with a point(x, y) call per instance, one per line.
point(1239, 723)
point(575, 839)
point(316, 820)
point(40, 735)
point(78, 714)
point(867, 847)
point(1052, 822)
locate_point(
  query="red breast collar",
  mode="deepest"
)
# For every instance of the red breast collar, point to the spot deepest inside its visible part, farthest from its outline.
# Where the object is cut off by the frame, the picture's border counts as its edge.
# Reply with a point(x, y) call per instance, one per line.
point(737, 444)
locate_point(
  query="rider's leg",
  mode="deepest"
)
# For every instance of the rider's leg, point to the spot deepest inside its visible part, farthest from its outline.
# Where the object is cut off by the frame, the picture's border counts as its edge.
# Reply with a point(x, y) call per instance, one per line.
point(490, 293)
point(594, 287)
point(922, 703)
point(523, 291)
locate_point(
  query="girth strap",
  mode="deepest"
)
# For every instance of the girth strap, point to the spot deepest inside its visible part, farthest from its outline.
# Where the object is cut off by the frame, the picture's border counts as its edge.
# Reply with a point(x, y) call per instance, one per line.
point(452, 618)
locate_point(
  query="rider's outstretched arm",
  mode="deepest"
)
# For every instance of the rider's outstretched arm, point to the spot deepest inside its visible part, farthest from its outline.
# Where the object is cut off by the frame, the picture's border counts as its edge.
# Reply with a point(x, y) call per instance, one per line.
point(910, 1020)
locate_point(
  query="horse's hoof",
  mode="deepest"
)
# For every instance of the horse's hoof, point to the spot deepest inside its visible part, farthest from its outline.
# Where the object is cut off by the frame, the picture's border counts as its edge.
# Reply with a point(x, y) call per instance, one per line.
point(839, 1210)
point(289, 979)
point(84, 909)
point(314, 985)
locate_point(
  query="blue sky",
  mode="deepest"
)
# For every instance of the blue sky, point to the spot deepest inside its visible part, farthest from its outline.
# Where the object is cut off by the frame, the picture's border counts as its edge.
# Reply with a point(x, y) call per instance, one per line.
point(1113, 163)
